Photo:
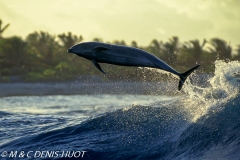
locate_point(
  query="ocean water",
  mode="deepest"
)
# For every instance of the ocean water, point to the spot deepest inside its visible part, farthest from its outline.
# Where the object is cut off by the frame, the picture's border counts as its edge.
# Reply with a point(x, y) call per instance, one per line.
point(203, 123)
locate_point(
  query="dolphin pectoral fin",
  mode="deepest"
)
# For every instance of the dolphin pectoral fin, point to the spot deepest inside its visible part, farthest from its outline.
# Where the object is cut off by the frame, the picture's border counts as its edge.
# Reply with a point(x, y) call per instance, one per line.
point(99, 49)
point(97, 65)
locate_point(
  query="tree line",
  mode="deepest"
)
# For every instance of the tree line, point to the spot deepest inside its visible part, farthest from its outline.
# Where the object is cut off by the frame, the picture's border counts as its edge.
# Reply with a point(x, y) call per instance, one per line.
point(43, 56)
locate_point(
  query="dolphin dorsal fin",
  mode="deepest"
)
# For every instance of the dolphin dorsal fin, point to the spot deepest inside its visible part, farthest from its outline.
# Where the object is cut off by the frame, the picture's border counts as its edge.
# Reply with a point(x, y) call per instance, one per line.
point(97, 65)
point(99, 49)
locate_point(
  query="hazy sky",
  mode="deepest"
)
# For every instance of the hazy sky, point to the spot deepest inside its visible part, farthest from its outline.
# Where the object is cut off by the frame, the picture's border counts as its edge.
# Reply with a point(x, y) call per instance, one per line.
point(140, 20)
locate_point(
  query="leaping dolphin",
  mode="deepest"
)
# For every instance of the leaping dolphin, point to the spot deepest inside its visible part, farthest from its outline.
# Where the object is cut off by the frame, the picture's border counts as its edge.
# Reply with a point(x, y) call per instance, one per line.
point(124, 56)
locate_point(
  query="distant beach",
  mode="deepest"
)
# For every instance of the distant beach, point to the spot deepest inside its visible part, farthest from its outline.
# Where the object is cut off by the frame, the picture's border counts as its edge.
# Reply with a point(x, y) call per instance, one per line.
point(86, 85)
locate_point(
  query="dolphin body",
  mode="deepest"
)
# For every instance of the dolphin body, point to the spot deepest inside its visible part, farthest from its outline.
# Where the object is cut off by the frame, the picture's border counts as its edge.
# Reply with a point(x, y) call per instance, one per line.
point(124, 56)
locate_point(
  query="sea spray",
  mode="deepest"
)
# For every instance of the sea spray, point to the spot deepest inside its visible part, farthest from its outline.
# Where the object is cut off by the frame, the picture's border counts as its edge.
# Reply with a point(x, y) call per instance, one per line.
point(199, 98)
point(223, 86)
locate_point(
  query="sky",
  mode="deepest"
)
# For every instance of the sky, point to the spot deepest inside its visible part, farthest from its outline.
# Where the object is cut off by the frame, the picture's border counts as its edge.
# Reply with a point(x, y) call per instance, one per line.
point(139, 20)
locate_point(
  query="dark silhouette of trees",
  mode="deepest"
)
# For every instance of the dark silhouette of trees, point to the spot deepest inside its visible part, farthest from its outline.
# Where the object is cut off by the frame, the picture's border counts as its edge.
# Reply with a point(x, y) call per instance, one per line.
point(14, 58)
point(68, 40)
point(171, 50)
point(117, 42)
point(134, 44)
point(192, 53)
point(221, 48)
point(237, 56)
point(44, 46)
point(197, 49)
point(42, 56)
point(154, 47)
point(97, 40)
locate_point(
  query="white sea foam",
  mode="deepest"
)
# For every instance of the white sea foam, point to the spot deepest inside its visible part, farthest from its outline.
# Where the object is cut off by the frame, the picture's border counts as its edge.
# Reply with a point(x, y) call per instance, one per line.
point(223, 86)
point(199, 100)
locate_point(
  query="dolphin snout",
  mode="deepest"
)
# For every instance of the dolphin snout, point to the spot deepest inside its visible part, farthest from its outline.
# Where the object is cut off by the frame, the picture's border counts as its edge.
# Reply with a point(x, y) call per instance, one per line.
point(70, 50)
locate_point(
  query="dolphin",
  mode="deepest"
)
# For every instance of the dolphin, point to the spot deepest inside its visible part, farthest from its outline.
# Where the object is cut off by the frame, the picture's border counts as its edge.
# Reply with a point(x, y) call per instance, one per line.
point(124, 56)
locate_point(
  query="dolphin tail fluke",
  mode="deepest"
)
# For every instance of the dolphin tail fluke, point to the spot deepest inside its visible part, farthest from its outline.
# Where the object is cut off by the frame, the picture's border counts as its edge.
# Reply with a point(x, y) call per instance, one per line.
point(183, 76)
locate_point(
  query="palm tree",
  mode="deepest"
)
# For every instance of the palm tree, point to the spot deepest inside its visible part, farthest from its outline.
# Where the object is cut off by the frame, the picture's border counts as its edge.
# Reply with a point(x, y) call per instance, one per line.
point(197, 49)
point(155, 48)
point(68, 40)
point(117, 42)
point(170, 50)
point(97, 40)
point(155, 45)
point(44, 46)
point(134, 44)
point(4, 28)
point(14, 55)
point(221, 48)
point(194, 51)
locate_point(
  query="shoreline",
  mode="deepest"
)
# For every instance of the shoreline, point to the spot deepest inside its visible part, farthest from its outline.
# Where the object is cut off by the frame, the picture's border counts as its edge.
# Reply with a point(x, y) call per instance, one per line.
point(86, 87)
